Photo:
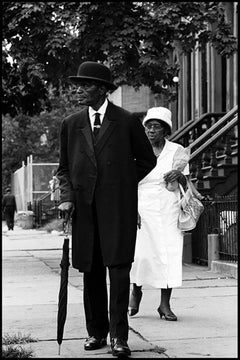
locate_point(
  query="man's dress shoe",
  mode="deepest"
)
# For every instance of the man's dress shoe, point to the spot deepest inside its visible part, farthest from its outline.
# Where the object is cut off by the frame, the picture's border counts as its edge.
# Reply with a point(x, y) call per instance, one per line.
point(120, 347)
point(93, 343)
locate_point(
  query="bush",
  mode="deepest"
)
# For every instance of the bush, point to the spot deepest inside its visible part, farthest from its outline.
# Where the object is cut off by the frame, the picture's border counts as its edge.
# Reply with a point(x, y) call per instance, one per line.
point(17, 339)
point(16, 351)
point(12, 349)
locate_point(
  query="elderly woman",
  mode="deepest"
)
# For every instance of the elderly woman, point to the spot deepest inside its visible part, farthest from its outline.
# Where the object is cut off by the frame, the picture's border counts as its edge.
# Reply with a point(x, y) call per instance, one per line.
point(159, 245)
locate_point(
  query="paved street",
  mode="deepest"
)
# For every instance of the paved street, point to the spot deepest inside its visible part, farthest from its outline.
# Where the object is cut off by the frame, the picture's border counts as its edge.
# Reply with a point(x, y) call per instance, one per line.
point(206, 306)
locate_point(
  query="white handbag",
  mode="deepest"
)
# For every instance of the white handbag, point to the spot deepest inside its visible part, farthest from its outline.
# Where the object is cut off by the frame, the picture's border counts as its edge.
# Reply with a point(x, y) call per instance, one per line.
point(190, 208)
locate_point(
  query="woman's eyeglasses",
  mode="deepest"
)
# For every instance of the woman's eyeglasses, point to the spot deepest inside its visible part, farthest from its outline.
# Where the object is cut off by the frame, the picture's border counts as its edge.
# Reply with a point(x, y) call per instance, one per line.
point(156, 127)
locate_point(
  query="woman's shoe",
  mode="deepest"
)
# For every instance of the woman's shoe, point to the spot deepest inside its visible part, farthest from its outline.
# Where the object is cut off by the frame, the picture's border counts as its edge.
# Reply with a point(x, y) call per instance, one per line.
point(134, 302)
point(168, 315)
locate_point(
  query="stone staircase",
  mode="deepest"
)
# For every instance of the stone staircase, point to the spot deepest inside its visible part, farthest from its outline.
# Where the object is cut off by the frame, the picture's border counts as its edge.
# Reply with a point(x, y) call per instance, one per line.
point(213, 141)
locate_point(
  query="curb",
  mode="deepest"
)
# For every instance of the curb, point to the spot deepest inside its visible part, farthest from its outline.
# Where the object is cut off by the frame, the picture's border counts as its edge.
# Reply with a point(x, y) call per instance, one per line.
point(220, 266)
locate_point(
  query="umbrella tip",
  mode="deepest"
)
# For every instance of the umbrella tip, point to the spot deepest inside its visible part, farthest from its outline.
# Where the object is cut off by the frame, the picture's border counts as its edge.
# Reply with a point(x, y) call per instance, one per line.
point(59, 348)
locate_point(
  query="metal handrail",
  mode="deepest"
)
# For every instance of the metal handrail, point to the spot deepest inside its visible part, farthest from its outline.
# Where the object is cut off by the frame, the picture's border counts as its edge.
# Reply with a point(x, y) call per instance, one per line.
point(214, 127)
point(212, 139)
point(181, 130)
point(47, 194)
point(192, 124)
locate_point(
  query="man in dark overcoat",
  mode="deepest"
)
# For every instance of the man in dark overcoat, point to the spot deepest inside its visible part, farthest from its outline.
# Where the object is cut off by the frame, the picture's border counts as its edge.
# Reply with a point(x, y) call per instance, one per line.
point(9, 207)
point(102, 159)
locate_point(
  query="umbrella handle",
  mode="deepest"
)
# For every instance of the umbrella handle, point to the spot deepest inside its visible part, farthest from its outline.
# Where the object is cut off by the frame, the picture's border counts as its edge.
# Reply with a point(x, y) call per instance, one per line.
point(66, 227)
point(66, 223)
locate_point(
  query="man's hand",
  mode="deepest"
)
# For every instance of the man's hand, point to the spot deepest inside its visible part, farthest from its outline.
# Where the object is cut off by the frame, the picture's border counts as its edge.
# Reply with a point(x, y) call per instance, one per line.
point(67, 207)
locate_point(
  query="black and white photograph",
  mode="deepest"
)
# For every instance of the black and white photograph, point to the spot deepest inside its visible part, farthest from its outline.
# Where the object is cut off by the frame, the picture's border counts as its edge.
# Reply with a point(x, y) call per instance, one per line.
point(119, 179)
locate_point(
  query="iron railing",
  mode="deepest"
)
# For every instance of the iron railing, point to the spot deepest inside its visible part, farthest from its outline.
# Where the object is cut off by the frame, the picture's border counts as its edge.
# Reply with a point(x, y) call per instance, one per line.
point(220, 217)
point(226, 208)
point(44, 210)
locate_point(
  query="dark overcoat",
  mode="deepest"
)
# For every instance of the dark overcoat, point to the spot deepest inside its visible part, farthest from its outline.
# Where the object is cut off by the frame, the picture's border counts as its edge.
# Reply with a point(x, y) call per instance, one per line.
point(107, 172)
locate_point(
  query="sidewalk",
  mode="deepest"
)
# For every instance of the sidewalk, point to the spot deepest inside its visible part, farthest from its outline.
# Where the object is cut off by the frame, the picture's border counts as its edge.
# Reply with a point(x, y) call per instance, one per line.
point(206, 306)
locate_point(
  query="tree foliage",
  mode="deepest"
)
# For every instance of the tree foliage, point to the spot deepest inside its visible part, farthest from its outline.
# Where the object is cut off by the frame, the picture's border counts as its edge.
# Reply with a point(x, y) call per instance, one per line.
point(44, 43)
point(48, 41)
point(24, 135)
point(39, 37)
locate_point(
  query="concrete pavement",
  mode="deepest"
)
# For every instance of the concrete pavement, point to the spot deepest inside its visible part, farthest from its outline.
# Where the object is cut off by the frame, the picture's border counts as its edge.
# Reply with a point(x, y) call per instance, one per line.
point(206, 306)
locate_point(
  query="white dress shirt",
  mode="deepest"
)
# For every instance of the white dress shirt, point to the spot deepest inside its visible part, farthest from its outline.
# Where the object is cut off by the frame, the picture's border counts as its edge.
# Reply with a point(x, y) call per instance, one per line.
point(100, 111)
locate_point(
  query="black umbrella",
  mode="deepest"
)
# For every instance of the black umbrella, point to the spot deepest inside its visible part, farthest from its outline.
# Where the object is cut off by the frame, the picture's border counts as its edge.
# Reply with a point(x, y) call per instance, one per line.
point(63, 292)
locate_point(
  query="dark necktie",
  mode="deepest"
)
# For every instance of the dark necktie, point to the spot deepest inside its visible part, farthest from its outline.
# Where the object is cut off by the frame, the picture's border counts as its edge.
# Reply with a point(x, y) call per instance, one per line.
point(96, 125)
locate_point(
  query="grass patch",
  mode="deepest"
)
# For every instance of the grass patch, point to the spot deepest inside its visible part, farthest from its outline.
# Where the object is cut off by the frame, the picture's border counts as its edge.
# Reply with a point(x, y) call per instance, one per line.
point(17, 339)
point(12, 349)
point(16, 351)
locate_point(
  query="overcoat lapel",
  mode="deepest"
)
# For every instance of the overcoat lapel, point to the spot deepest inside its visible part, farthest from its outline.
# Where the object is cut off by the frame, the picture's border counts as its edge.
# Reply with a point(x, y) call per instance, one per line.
point(87, 132)
point(108, 125)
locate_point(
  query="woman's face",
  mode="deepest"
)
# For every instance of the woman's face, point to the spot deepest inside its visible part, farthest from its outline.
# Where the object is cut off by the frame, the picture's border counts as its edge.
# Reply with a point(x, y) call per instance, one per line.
point(155, 131)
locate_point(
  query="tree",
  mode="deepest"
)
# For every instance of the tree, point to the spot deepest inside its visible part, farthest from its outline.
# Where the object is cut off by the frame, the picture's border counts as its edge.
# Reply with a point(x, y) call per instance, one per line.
point(48, 41)
point(22, 135)
point(44, 43)
point(36, 36)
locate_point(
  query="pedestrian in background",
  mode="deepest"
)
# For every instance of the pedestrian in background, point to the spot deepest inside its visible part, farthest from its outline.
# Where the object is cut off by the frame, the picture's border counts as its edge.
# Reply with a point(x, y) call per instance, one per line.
point(9, 208)
point(159, 245)
point(104, 153)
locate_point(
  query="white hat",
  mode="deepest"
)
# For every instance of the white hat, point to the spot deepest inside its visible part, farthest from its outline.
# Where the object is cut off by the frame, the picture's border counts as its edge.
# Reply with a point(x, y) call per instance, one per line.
point(159, 113)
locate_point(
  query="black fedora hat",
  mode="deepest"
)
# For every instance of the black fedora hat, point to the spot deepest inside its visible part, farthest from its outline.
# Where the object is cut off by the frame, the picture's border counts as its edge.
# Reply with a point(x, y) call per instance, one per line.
point(90, 70)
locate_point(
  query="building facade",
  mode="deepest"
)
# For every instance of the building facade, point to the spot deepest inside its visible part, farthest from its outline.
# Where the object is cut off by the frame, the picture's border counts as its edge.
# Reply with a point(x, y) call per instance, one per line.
point(207, 82)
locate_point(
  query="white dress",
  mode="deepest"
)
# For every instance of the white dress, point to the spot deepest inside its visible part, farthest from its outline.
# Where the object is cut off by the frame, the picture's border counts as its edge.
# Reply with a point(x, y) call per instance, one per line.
point(159, 244)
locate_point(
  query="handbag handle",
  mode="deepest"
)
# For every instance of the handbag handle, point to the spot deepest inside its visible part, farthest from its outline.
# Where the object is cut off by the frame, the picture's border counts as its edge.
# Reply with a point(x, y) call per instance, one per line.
point(182, 190)
point(192, 190)
point(189, 187)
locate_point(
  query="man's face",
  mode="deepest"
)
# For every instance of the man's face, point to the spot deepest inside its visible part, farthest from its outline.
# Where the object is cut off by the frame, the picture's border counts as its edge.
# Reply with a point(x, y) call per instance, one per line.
point(90, 93)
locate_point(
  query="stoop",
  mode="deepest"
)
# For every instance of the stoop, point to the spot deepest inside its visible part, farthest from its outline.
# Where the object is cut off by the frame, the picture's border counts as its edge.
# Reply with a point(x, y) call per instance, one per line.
point(225, 267)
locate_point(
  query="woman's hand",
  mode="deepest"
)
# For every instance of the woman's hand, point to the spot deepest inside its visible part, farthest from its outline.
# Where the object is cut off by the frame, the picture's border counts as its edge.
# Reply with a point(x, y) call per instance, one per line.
point(172, 175)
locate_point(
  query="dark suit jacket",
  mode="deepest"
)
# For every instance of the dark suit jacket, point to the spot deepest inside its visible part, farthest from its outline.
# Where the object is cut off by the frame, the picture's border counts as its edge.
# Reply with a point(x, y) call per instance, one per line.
point(9, 202)
point(109, 173)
